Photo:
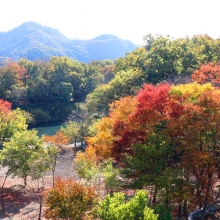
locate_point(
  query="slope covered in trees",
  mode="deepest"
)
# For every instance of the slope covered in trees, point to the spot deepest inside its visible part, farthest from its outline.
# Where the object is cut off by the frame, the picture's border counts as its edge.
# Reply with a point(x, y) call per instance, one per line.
point(166, 137)
point(49, 90)
point(36, 42)
point(161, 59)
point(159, 134)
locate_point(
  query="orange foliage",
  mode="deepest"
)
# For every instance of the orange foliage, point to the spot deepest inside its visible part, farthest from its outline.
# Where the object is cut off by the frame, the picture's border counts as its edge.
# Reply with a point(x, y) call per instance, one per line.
point(68, 200)
point(101, 144)
point(5, 106)
point(58, 139)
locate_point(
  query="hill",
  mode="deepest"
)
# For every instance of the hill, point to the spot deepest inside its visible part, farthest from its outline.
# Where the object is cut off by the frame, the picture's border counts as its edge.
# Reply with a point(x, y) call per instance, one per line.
point(36, 42)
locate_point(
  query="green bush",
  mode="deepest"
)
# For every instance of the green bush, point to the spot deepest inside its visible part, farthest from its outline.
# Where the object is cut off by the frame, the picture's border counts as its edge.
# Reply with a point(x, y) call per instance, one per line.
point(117, 208)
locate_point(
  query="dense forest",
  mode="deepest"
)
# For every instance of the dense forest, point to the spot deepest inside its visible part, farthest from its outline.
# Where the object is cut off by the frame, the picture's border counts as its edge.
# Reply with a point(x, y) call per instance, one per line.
point(150, 121)
point(48, 90)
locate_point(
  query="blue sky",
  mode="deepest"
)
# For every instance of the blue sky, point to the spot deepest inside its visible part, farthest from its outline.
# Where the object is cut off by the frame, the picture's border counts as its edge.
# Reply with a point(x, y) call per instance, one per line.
point(128, 19)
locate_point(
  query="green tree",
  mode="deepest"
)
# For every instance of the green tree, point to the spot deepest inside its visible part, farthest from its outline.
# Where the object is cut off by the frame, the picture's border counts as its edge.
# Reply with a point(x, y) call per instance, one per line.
point(123, 84)
point(10, 75)
point(110, 174)
point(54, 146)
point(72, 130)
point(12, 121)
point(167, 58)
point(117, 208)
point(24, 155)
point(206, 48)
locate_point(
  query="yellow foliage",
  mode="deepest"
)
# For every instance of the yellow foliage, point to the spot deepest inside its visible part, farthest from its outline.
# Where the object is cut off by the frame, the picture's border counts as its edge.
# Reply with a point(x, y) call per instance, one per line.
point(103, 141)
point(191, 91)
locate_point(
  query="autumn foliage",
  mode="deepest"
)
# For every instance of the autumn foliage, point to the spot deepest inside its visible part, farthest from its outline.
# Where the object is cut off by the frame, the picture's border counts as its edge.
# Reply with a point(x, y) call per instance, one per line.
point(5, 106)
point(11, 121)
point(209, 72)
point(166, 136)
point(58, 139)
point(68, 200)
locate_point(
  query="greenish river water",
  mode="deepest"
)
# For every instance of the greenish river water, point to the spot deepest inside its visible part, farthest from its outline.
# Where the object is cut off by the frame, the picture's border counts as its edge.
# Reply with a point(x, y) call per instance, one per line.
point(48, 129)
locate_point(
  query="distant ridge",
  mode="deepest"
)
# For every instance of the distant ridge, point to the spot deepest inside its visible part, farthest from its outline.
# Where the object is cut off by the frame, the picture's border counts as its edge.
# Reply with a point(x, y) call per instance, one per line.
point(36, 42)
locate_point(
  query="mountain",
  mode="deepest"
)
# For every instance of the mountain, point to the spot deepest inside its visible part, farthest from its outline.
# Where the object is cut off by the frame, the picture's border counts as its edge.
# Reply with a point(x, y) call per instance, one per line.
point(36, 42)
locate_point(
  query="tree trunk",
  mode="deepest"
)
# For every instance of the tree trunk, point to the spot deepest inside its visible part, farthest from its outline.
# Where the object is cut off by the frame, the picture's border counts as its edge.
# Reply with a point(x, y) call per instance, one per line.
point(40, 210)
point(179, 211)
point(185, 213)
point(25, 182)
point(3, 203)
point(155, 194)
point(53, 177)
point(53, 169)
point(206, 198)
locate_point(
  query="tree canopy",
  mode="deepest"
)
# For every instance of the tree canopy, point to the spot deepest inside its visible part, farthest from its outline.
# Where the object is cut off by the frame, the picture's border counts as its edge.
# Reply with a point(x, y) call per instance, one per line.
point(161, 59)
point(166, 136)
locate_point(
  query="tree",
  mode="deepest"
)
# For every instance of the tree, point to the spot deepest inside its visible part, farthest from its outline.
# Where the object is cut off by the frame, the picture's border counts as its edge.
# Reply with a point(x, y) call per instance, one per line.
point(12, 121)
point(12, 74)
point(5, 113)
point(117, 207)
point(71, 129)
point(58, 139)
point(165, 136)
point(209, 72)
point(85, 162)
point(206, 48)
point(53, 152)
point(167, 58)
point(100, 98)
point(110, 175)
point(96, 173)
point(79, 120)
point(54, 146)
point(24, 155)
point(123, 84)
point(68, 200)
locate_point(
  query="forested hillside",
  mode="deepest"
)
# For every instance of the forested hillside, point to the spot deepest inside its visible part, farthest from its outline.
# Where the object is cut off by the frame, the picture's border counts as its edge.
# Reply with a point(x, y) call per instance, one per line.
point(147, 125)
point(50, 90)
point(162, 59)
point(36, 42)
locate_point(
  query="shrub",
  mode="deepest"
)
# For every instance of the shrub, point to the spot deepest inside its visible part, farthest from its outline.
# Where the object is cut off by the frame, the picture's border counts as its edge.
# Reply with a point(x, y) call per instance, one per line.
point(68, 200)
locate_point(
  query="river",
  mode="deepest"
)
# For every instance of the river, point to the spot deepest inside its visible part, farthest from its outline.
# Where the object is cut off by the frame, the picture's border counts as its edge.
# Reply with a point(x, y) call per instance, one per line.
point(50, 129)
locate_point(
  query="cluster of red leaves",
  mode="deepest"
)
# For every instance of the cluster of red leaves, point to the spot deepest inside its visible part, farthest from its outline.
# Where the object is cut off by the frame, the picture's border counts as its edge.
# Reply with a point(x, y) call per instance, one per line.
point(148, 108)
point(209, 72)
point(190, 128)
